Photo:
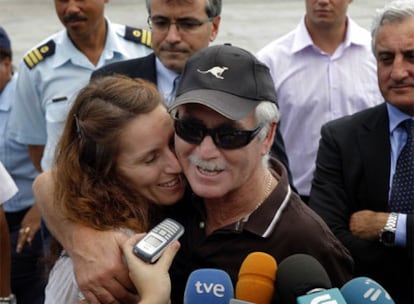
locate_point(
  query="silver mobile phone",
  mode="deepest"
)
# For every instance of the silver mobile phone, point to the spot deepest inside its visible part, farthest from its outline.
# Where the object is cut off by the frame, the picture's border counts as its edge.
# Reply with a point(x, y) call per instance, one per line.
point(154, 242)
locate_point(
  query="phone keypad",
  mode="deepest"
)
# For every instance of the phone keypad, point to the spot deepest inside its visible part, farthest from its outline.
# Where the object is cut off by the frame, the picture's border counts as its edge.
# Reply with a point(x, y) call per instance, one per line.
point(167, 229)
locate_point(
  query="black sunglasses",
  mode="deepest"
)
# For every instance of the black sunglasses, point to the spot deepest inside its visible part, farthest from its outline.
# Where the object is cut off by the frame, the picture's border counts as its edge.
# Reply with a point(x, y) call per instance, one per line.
point(224, 138)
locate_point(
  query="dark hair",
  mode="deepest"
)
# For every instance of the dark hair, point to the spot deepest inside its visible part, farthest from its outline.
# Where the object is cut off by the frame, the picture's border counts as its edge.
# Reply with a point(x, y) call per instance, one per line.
point(213, 7)
point(5, 53)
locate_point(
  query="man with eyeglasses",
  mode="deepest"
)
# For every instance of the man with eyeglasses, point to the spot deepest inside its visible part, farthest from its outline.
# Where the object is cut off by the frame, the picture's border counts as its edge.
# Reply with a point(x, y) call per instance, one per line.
point(179, 28)
point(225, 119)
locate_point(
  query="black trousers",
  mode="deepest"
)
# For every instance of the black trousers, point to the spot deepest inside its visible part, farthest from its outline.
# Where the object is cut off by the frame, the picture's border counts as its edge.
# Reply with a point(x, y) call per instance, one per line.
point(28, 277)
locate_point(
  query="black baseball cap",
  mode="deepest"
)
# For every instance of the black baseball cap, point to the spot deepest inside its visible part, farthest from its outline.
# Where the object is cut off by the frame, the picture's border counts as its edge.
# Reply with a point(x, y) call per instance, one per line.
point(227, 79)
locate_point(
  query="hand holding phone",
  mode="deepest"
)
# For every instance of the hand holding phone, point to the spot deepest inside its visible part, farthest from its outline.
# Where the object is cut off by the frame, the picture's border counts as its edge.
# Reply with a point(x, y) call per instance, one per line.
point(154, 242)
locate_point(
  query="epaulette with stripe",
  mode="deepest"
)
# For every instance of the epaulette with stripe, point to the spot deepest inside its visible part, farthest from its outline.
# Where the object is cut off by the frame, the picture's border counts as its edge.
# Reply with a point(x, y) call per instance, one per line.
point(138, 35)
point(39, 54)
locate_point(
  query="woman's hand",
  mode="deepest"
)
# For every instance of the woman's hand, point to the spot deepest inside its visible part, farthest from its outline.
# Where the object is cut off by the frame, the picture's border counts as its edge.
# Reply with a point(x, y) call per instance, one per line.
point(151, 280)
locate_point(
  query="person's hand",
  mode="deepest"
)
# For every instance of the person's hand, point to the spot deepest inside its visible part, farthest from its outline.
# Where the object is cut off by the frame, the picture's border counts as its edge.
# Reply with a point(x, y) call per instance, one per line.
point(151, 280)
point(367, 224)
point(100, 272)
point(29, 226)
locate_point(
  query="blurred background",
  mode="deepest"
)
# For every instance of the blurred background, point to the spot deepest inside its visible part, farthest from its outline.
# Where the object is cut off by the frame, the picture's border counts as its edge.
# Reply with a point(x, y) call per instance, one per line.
point(248, 24)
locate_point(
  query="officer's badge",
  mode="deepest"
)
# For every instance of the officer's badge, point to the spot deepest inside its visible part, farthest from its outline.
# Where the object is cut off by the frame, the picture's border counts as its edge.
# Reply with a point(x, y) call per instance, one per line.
point(39, 54)
point(138, 35)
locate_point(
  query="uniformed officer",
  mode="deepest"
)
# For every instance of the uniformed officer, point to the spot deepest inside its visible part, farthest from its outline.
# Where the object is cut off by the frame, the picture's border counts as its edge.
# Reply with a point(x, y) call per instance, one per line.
point(52, 73)
point(23, 218)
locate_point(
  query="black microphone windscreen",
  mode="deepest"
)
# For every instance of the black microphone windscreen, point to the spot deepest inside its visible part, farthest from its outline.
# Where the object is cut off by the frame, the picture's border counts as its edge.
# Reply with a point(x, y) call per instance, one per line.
point(298, 275)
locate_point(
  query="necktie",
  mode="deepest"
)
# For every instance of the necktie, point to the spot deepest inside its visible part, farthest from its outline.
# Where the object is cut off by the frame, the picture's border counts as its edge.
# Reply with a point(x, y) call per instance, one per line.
point(402, 192)
point(173, 90)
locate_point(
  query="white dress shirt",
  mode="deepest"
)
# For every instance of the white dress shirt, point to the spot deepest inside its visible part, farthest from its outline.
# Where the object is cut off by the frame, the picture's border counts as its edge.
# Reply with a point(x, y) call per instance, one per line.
point(314, 87)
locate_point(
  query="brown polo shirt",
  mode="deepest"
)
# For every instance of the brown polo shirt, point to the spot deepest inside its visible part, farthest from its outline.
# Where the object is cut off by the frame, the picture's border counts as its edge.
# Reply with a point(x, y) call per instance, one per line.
point(283, 225)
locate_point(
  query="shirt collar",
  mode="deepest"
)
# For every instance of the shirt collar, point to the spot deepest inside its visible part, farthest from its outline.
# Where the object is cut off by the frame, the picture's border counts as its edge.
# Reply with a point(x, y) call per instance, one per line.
point(396, 116)
point(113, 44)
point(263, 220)
point(303, 39)
point(67, 51)
point(165, 77)
point(164, 72)
point(355, 34)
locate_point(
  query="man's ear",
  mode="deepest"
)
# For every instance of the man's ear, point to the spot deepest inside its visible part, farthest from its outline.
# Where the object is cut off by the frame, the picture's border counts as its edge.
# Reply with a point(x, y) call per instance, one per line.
point(268, 141)
point(216, 26)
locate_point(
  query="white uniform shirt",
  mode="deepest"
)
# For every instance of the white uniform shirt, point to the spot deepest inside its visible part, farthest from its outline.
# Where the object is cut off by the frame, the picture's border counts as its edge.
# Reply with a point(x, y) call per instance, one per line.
point(314, 87)
point(15, 156)
point(46, 91)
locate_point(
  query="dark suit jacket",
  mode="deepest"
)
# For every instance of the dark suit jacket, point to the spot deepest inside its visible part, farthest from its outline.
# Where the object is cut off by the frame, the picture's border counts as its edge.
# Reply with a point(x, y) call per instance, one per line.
point(135, 68)
point(352, 174)
point(145, 68)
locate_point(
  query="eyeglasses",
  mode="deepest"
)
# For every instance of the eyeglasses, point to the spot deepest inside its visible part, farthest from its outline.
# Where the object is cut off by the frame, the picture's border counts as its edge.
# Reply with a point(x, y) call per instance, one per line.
point(188, 25)
point(224, 138)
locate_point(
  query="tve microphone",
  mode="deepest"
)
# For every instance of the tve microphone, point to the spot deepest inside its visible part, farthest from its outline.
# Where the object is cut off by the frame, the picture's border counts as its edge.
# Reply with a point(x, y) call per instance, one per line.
point(302, 279)
point(256, 278)
point(208, 286)
point(364, 290)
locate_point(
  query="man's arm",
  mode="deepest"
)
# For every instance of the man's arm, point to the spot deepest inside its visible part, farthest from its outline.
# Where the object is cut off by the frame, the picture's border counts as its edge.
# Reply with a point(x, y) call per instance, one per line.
point(331, 196)
point(36, 154)
point(97, 255)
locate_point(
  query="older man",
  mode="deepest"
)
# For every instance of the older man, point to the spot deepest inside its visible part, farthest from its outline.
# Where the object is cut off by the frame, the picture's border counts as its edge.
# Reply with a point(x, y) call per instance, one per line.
point(359, 186)
point(225, 119)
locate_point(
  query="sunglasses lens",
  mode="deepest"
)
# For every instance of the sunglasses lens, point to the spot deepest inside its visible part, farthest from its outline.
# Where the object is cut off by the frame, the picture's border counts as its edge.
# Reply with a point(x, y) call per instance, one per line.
point(189, 132)
point(231, 139)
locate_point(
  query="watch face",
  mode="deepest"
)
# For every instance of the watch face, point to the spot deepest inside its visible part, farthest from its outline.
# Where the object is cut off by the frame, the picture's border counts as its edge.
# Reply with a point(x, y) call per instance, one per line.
point(388, 237)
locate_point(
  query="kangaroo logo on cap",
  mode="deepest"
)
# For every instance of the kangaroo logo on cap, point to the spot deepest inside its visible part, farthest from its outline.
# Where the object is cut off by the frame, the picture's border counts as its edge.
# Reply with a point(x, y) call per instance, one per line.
point(216, 71)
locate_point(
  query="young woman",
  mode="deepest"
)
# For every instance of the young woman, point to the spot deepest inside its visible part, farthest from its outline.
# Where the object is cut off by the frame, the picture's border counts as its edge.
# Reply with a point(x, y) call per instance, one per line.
point(114, 165)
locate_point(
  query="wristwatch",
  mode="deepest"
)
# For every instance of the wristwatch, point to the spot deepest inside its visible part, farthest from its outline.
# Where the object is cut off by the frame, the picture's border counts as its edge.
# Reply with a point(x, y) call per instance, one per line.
point(387, 235)
point(11, 299)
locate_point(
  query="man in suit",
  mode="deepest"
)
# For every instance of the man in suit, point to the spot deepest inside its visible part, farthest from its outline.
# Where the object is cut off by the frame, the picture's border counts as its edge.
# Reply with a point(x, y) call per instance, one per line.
point(357, 161)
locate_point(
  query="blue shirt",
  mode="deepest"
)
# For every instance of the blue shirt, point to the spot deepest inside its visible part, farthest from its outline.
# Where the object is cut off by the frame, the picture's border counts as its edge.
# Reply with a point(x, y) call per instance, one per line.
point(47, 90)
point(165, 81)
point(14, 155)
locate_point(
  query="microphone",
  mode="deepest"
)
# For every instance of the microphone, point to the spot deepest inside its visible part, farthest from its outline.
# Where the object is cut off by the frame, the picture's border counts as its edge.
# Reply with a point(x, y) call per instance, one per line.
point(302, 279)
point(329, 296)
point(256, 278)
point(235, 301)
point(208, 286)
point(364, 290)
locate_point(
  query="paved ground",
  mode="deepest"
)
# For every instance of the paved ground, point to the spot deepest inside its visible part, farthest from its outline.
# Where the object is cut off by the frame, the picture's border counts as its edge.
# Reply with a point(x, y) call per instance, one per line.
point(249, 24)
